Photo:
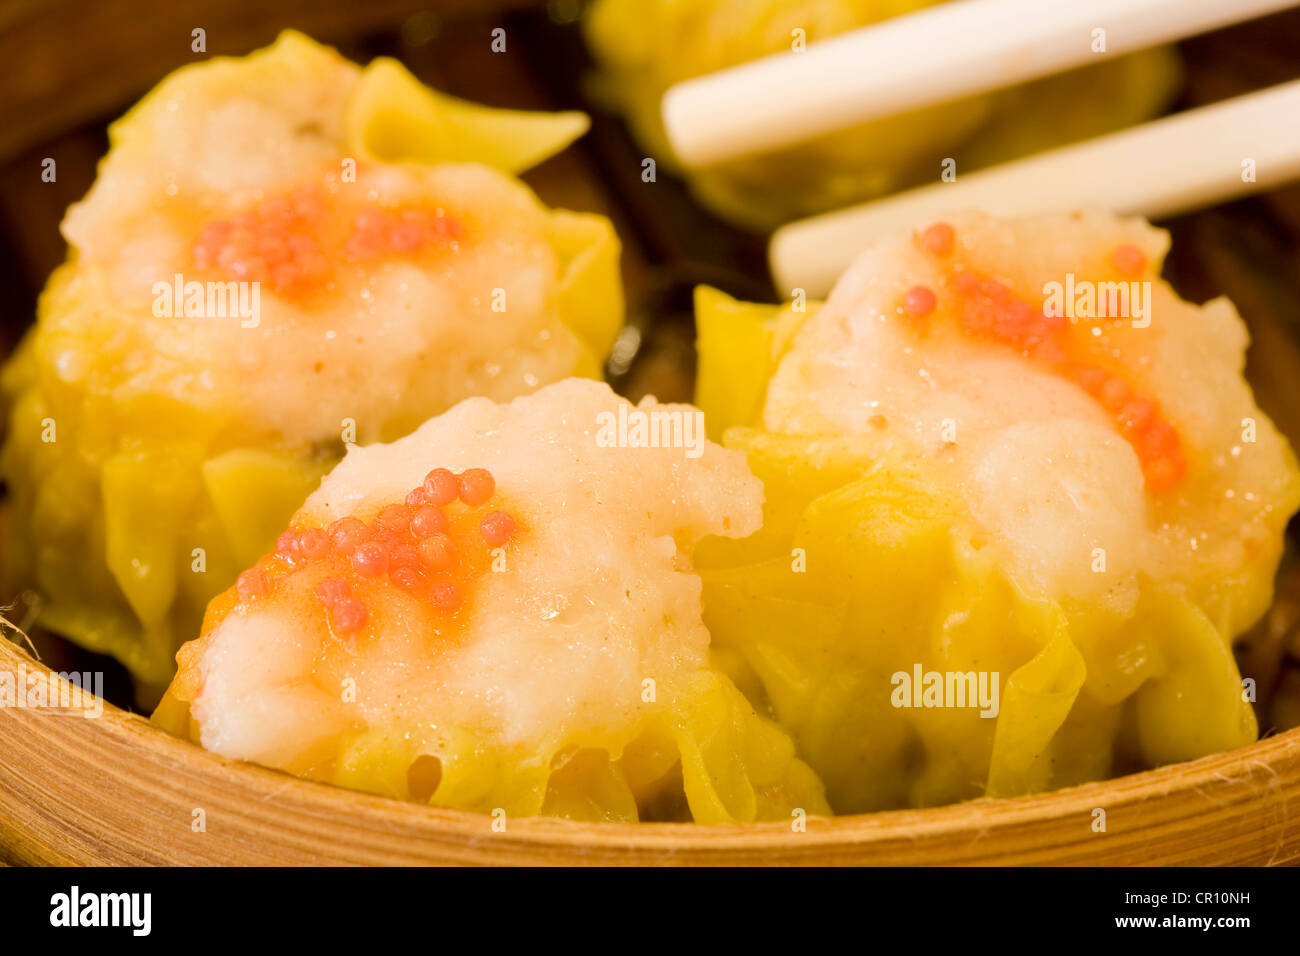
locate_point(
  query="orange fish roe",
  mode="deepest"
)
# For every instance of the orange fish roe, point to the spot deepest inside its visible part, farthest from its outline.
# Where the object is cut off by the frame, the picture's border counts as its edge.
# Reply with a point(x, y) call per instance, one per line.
point(292, 241)
point(476, 486)
point(989, 309)
point(409, 545)
point(1128, 259)
point(919, 300)
point(378, 233)
point(497, 528)
point(938, 238)
point(440, 487)
point(276, 241)
point(1138, 418)
point(252, 583)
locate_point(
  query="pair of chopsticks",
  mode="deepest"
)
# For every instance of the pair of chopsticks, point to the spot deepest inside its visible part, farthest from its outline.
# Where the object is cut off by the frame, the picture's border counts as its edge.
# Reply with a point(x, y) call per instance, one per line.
point(1182, 162)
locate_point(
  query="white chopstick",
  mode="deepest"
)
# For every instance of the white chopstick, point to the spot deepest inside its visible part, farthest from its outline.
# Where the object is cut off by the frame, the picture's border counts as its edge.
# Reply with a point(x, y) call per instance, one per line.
point(936, 55)
point(1179, 163)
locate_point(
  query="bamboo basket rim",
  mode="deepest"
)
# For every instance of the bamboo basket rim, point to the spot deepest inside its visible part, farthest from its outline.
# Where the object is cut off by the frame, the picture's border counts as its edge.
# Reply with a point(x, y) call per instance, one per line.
point(1235, 804)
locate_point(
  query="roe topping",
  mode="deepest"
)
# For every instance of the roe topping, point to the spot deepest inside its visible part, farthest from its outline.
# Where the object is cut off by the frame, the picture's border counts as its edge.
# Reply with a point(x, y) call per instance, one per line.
point(989, 309)
point(409, 544)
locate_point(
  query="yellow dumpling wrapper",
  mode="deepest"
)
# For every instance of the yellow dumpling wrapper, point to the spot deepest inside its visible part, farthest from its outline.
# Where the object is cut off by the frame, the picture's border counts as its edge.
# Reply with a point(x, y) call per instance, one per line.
point(395, 118)
point(134, 505)
point(707, 757)
point(729, 764)
point(866, 579)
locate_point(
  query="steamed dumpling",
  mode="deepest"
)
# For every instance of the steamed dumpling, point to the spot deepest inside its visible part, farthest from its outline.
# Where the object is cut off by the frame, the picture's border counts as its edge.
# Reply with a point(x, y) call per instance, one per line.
point(1054, 457)
point(282, 253)
point(977, 472)
point(389, 288)
point(533, 645)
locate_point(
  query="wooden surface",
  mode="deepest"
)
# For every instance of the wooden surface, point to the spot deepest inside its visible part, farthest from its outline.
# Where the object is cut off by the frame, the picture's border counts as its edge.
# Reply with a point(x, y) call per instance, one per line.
point(114, 789)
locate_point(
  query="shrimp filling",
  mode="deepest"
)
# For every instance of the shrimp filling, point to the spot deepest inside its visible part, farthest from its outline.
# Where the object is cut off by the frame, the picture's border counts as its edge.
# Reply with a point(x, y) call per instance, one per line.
point(988, 309)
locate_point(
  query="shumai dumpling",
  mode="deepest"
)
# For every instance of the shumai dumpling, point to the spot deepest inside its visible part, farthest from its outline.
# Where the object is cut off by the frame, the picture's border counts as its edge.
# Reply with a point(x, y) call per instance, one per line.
point(499, 612)
point(646, 46)
point(1003, 461)
point(283, 253)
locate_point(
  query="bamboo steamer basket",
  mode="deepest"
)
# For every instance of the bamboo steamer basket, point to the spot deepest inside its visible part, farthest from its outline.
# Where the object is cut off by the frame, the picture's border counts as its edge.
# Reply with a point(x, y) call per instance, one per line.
point(115, 789)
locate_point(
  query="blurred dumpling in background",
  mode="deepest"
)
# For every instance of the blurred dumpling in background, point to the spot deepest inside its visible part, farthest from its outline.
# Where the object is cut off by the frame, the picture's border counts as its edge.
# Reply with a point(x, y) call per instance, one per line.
point(499, 611)
point(646, 46)
point(282, 253)
point(1007, 454)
